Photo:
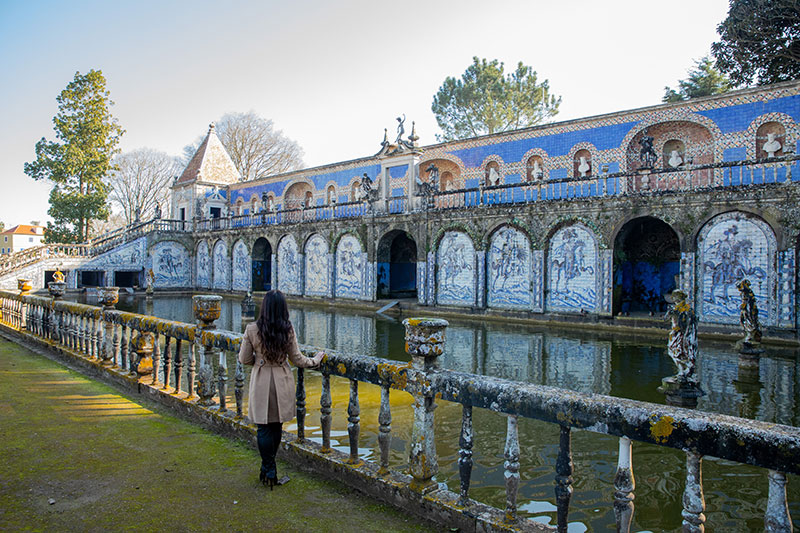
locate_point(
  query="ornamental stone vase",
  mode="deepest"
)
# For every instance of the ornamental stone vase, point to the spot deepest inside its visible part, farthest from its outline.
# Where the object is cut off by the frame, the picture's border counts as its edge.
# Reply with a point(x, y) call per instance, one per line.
point(108, 296)
point(24, 285)
point(57, 289)
point(207, 308)
point(142, 343)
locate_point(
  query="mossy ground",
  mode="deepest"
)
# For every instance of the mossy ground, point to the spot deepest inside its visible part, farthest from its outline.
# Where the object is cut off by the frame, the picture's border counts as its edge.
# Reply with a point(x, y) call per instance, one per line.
point(111, 464)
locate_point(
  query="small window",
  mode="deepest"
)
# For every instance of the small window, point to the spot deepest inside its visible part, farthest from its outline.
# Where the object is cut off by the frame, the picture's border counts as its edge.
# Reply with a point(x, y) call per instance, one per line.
point(30, 239)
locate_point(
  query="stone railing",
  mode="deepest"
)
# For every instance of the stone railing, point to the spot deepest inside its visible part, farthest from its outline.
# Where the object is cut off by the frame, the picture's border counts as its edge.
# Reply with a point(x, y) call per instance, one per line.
point(131, 343)
point(33, 255)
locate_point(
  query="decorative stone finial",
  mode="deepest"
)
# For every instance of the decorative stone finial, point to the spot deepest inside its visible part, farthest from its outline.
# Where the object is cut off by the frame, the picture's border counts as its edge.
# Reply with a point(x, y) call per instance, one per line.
point(211, 128)
point(413, 137)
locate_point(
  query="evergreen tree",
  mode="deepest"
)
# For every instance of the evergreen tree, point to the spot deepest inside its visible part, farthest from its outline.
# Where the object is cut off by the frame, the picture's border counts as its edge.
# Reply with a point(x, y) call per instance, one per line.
point(486, 101)
point(79, 160)
point(703, 80)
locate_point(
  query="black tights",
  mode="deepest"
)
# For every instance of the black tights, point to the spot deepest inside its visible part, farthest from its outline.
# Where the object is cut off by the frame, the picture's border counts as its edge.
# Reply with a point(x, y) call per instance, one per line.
point(269, 438)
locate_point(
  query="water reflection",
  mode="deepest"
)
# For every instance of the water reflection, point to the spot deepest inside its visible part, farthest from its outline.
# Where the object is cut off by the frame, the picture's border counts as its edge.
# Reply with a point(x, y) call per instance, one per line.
point(616, 365)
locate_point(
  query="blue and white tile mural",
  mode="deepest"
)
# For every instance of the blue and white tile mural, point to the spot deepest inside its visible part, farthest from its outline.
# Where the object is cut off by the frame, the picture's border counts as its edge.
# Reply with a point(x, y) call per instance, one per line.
point(317, 266)
point(509, 269)
point(242, 266)
point(731, 247)
point(516, 356)
point(130, 256)
point(222, 271)
point(289, 267)
point(203, 266)
point(576, 365)
point(572, 269)
point(455, 261)
point(171, 265)
point(351, 264)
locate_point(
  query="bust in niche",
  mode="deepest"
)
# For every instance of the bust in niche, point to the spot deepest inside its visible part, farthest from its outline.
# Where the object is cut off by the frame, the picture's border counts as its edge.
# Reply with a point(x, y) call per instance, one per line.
point(536, 170)
point(675, 159)
point(584, 167)
point(494, 176)
point(772, 145)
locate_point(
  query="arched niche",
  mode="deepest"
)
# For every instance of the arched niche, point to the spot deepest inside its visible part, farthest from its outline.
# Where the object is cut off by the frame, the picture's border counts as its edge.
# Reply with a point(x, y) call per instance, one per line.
point(397, 265)
point(582, 165)
point(770, 140)
point(508, 269)
point(296, 195)
point(647, 259)
point(241, 266)
point(262, 265)
point(673, 154)
point(289, 266)
point(222, 271)
point(534, 168)
point(317, 261)
point(572, 269)
point(492, 175)
point(350, 265)
point(456, 276)
point(698, 149)
point(203, 266)
point(449, 174)
point(330, 195)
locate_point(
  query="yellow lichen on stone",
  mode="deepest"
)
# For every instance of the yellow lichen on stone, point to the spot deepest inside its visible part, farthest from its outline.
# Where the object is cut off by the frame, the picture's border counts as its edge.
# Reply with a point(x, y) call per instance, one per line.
point(341, 368)
point(662, 428)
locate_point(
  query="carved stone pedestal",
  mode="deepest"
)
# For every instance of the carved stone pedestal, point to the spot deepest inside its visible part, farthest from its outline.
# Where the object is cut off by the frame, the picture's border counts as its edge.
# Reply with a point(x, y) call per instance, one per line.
point(142, 344)
point(680, 392)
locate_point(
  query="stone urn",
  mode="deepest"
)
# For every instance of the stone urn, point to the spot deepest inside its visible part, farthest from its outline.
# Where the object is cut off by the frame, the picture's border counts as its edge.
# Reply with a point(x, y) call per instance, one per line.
point(142, 343)
point(207, 308)
point(57, 289)
point(24, 285)
point(108, 296)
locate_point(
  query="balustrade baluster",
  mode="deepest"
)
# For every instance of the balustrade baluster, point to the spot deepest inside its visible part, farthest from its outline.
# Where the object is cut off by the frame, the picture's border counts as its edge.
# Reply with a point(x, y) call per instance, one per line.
point(156, 357)
point(693, 501)
point(123, 348)
point(300, 402)
point(465, 443)
point(82, 320)
point(238, 389)
point(178, 365)
point(222, 374)
point(192, 370)
point(72, 328)
point(624, 484)
point(384, 429)
point(133, 356)
point(95, 343)
point(325, 412)
point(511, 467)
point(564, 469)
point(167, 362)
point(777, 518)
point(115, 345)
point(353, 419)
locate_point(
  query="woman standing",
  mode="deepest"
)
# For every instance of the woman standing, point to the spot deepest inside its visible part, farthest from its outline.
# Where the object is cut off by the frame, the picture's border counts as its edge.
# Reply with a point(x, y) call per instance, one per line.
point(268, 344)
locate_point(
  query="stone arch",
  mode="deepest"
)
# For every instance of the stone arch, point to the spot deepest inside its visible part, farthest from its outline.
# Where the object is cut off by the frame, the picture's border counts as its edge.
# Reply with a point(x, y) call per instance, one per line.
point(789, 133)
point(730, 247)
point(647, 258)
point(397, 265)
point(294, 195)
point(171, 264)
point(261, 267)
point(239, 210)
point(456, 271)
point(451, 173)
point(203, 265)
point(351, 265)
point(509, 268)
point(318, 266)
point(290, 279)
point(589, 152)
point(677, 114)
point(241, 267)
point(572, 268)
point(254, 204)
point(221, 270)
point(331, 193)
point(354, 186)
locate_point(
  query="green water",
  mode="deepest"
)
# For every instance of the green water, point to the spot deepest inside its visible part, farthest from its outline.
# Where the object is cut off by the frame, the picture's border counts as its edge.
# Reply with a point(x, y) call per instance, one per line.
point(617, 365)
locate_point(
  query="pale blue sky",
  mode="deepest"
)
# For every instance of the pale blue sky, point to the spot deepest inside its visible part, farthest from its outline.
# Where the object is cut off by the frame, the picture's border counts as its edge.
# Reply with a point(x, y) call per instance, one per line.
point(330, 74)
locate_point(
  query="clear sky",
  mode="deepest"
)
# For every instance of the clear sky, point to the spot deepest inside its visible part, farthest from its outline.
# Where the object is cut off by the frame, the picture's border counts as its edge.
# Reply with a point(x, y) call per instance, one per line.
point(331, 74)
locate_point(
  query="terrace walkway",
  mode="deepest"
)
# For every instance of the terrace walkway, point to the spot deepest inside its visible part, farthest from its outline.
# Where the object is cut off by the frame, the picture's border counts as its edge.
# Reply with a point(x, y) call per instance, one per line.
point(108, 463)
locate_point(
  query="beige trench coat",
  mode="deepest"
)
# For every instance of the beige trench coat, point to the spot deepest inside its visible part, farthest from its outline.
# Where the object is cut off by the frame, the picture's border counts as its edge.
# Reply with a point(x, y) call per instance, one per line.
point(251, 353)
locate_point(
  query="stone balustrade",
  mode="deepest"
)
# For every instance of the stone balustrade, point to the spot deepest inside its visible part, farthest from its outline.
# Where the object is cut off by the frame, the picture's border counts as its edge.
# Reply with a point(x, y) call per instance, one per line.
point(92, 331)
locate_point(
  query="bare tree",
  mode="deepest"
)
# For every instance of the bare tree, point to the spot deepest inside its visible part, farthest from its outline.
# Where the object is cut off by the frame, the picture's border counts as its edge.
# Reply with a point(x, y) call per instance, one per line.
point(255, 147)
point(142, 181)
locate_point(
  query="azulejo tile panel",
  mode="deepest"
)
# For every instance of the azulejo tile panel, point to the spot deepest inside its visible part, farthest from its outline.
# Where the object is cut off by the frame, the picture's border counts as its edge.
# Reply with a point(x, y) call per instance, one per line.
point(317, 258)
point(171, 265)
point(732, 247)
point(350, 268)
point(289, 267)
point(242, 267)
point(222, 271)
point(455, 265)
point(203, 266)
point(572, 269)
point(508, 279)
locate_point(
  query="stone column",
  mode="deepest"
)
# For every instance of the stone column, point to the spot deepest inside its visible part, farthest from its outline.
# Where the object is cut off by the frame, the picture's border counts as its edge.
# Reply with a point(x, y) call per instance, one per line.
point(109, 296)
point(425, 338)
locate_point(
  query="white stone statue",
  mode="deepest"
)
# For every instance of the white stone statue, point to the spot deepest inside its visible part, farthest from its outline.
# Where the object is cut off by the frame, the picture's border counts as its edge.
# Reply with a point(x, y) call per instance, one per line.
point(772, 145)
point(584, 167)
point(536, 172)
point(494, 176)
point(675, 159)
point(331, 197)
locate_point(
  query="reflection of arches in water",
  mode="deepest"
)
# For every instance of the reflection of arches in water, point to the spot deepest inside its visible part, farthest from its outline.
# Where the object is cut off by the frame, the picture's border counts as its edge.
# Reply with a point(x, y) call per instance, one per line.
point(262, 265)
point(647, 258)
point(397, 266)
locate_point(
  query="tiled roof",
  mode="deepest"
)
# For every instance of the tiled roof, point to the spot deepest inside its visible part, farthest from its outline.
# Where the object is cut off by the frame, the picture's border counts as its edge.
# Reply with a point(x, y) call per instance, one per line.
point(211, 163)
point(24, 229)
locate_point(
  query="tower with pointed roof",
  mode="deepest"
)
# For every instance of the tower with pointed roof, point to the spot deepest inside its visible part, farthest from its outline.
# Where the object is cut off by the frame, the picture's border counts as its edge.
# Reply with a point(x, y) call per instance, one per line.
point(203, 183)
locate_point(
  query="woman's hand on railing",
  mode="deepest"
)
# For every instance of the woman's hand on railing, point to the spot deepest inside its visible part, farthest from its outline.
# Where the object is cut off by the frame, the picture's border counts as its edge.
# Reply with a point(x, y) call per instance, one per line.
point(318, 358)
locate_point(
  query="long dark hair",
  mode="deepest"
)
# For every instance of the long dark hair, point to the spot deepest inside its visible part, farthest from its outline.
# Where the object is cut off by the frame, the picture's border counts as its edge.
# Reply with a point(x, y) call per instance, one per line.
point(274, 327)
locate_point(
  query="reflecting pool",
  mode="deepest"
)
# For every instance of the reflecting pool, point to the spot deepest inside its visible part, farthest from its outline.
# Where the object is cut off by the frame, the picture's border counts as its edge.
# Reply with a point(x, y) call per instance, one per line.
point(623, 366)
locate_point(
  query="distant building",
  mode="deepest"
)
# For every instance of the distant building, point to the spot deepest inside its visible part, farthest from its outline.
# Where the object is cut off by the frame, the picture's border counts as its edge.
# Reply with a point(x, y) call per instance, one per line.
point(20, 237)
